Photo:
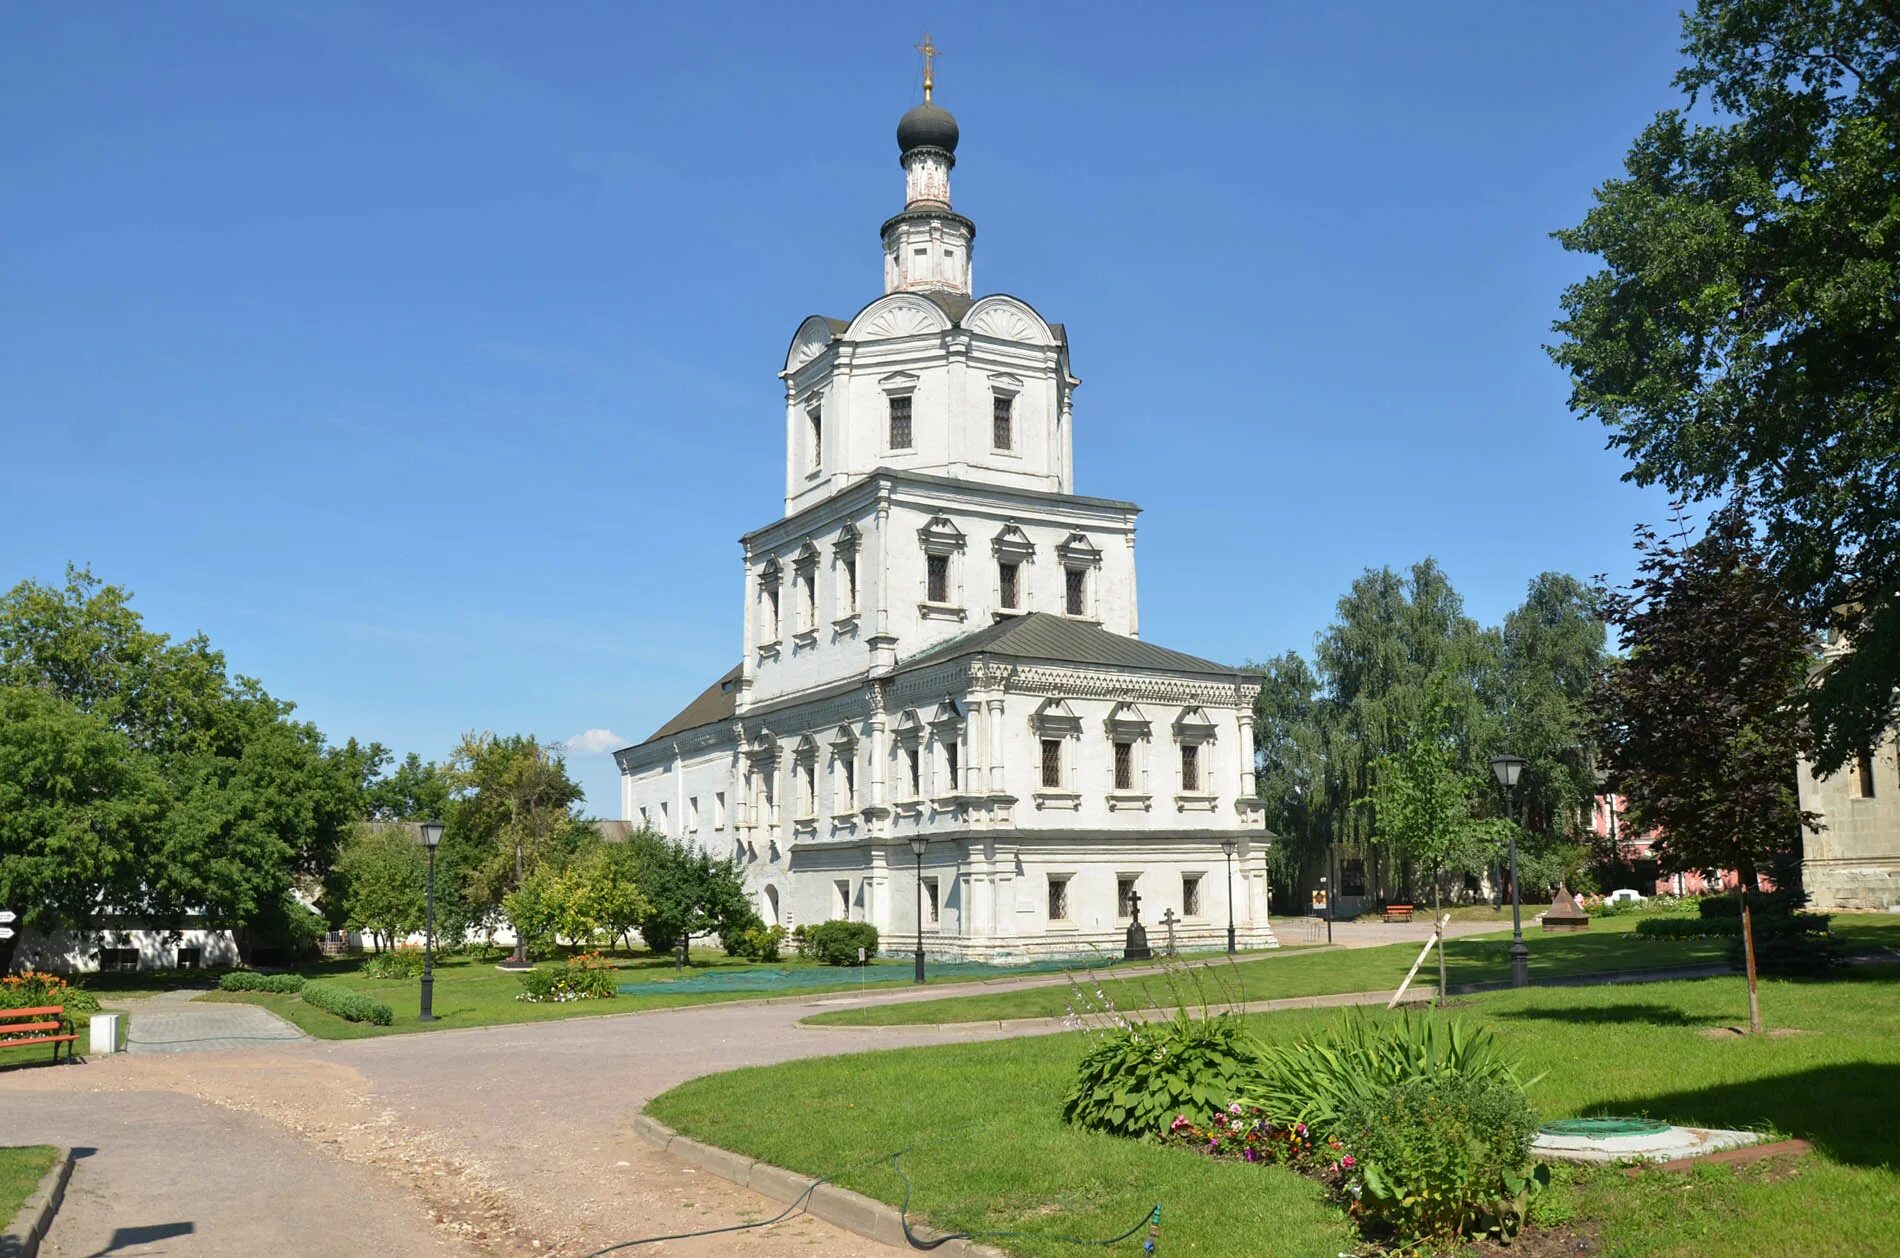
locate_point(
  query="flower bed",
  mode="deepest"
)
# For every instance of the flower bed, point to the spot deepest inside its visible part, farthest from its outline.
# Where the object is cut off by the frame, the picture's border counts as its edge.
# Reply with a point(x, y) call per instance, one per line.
point(586, 976)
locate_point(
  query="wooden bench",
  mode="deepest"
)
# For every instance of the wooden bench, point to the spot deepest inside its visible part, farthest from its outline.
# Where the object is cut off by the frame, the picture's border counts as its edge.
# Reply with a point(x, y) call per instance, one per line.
point(1398, 912)
point(22, 1023)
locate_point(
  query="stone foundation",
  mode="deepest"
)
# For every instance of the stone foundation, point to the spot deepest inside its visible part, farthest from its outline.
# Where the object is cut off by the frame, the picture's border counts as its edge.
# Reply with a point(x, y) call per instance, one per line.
point(1852, 884)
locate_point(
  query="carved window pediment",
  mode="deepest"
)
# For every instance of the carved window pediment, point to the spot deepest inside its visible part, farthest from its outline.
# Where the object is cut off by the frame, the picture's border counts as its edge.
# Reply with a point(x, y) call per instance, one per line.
point(1056, 718)
point(909, 729)
point(1128, 721)
point(1006, 385)
point(1193, 725)
point(1013, 545)
point(1078, 551)
point(848, 540)
point(940, 536)
point(949, 712)
point(899, 382)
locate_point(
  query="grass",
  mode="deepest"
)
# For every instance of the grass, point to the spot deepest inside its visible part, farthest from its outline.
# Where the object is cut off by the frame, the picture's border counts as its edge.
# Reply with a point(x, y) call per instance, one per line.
point(1610, 945)
point(471, 992)
point(20, 1172)
point(987, 1151)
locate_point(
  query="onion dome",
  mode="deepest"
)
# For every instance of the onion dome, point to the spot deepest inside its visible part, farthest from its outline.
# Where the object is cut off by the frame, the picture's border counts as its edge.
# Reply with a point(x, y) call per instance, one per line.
point(927, 126)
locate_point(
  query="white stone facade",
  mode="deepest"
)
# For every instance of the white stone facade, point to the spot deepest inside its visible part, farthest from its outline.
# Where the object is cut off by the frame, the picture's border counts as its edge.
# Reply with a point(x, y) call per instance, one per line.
point(940, 642)
point(1854, 861)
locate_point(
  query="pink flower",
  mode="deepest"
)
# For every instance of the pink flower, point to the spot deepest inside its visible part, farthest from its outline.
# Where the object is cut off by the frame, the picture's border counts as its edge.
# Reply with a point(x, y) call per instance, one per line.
point(1348, 1162)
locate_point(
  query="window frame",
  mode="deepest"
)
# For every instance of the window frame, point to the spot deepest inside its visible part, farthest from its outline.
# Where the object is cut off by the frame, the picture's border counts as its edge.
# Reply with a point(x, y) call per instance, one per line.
point(1056, 897)
point(902, 408)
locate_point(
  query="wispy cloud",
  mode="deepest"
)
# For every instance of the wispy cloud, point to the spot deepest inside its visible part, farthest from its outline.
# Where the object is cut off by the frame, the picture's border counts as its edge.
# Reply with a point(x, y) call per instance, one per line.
point(594, 742)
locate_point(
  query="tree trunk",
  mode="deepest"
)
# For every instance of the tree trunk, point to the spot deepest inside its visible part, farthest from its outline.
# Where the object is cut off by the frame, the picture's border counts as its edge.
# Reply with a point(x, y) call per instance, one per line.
point(1441, 937)
point(1748, 956)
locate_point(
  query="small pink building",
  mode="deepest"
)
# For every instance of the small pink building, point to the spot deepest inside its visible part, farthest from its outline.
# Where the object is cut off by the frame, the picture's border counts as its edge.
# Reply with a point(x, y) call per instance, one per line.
point(1632, 857)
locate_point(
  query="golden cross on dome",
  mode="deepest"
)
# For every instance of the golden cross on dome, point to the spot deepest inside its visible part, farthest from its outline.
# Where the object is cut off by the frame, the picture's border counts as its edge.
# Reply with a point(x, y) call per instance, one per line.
point(929, 50)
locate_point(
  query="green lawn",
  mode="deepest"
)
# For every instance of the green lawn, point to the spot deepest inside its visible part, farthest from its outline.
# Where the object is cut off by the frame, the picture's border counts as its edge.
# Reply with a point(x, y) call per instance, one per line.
point(988, 1152)
point(475, 993)
point(1609, 945)
point(20, 1171)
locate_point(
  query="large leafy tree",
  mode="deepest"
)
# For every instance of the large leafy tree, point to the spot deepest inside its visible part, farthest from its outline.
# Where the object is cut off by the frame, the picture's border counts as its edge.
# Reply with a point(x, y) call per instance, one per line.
point(1552, 650)
point(688, 892)
point(511, 812)
point(380, 880)
point(234, 797)
point(1742, 340)
point(1701, 723)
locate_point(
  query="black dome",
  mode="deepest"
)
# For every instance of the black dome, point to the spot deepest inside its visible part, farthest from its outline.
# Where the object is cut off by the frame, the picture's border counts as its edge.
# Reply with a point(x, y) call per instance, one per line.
point(927, 126)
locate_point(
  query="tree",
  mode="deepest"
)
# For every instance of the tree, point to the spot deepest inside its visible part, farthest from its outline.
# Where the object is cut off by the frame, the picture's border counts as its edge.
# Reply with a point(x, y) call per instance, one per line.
point(1423, 802)
point(235, 797)
point(1553, 649)
point(1701, 724)
point(416, 790)
point(1742, 342)
point(689, 892)
point(382, 882)
point(511, 812)
point(599, 900)
point(1289, 747)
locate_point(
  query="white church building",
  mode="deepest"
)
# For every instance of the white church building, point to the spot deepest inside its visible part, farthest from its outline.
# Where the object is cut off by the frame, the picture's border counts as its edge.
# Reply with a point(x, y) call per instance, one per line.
point(941, 651)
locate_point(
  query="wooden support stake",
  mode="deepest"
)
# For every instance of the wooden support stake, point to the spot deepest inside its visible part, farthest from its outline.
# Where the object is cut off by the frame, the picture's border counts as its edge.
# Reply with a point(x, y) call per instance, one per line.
point(1438, 931)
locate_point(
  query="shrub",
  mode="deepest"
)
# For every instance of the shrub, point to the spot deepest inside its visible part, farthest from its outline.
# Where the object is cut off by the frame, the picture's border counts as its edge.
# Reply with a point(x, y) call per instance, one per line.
point(761, 943)
point(837, 942)
point(35, 989)
point(801, 940)
point(252, 981)
point(1439, 1157)
point(1319, 1080)
point(1138, 1078)
point(1766, 926)
point(1760, 903)
point(586, 976)
point(403, 962)
point(346, 1004)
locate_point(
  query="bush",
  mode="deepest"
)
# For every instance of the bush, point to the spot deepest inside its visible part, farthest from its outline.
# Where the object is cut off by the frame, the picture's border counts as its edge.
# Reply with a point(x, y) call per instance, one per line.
point(801, 940)
point(34, 989)
point(761, 943)
point(403, 962)
point(1766, 926)
point(586, 976)
point(837, 942)
point(1320, 1080)
point(1770, 903)
point(251, 981)
point(1139, 1078)
point(1439, 1157)
point(346, 1004)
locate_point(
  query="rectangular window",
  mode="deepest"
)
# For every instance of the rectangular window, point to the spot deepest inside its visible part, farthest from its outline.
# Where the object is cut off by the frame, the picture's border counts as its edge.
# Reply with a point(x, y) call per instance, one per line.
point(1352, 878)
point(807, 788)
point(771, 613)
point(1002, 427)
point(1866, 767)
point(1124, 766)
point(118, 958)
point(841, 899)
point(190, 958)
point(1190, 766)
point(848, 774)
point(938, 578)
point(900, 422)
point(807, 598)
point(719, 810)
point(1058, 898)
point(1052, 762)
point(1190, 895)
point(850, 591)
point(950, 766)
point(1006, 583)
point(930, 901)
point(817, 440)
point(1075, 591)
point(1125, 898)
point(666, 820)
point(914, 763)
point(692, 812)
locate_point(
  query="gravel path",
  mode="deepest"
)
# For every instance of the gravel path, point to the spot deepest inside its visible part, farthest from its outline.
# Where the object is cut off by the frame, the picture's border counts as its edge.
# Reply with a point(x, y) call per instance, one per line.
point(490, 1141)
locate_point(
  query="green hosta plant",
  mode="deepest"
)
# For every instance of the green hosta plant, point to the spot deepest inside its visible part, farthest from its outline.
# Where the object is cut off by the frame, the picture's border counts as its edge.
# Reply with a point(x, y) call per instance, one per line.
point(1317, 1080)
point(1138, 1077)
point(1439, 1157)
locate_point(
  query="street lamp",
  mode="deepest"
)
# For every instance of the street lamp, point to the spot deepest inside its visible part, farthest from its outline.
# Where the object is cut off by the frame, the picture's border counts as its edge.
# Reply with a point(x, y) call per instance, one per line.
point(1326, 893)
point(431, 837)
point(917, 845)
point(1508, 769)
point(1227, 846)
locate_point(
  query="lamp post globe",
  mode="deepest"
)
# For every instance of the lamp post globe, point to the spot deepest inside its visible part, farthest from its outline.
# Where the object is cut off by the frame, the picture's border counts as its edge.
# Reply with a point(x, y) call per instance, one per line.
point(1508, 770)
point(917, 845)
point(1227, 847)
point(431, 838)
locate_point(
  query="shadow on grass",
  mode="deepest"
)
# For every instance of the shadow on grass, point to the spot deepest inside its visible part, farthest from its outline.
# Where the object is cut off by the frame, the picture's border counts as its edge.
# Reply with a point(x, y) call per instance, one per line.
point(1845, 1110)
point(1646, 1013)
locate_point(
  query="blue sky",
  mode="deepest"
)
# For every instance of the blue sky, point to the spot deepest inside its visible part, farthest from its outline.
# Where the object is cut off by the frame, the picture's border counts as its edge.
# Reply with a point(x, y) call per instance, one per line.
point(423, 355)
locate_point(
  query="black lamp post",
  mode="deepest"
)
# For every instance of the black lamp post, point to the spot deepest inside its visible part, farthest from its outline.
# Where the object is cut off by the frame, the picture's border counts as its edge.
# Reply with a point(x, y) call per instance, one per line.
point(1327, 891)
point(917, 845)
point(431, 836)
point(1508, 769)
point(1227, 846)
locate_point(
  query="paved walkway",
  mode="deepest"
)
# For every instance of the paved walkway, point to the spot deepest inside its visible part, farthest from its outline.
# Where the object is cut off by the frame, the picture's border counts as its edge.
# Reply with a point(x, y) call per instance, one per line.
point(176, 1022)
point(475, 1143)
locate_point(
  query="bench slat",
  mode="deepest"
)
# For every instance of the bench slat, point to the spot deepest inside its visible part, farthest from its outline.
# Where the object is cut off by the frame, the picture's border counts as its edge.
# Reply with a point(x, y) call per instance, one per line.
point(11, 1027)
point(44, 1039)
point(31, 1013)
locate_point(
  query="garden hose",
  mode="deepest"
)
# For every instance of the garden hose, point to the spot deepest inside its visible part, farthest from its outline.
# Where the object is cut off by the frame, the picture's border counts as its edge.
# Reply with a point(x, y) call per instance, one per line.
point(1150, 1220)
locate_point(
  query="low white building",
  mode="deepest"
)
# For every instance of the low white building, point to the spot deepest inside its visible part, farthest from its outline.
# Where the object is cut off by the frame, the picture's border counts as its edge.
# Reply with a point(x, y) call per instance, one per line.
point(940, 643)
